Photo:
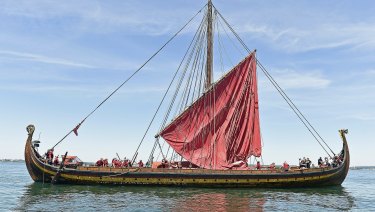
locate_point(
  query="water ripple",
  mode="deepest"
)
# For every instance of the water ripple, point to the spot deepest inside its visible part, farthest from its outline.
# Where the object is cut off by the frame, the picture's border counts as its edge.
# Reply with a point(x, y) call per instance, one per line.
point(18, 192)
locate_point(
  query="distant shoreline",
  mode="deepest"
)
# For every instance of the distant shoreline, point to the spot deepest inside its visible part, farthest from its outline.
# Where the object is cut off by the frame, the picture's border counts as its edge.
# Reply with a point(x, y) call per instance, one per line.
point(12, 160)
point(362, 167)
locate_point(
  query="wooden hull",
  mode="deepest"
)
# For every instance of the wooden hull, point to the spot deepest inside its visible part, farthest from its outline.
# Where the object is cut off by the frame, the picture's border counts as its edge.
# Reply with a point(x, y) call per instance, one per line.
point(41, 172)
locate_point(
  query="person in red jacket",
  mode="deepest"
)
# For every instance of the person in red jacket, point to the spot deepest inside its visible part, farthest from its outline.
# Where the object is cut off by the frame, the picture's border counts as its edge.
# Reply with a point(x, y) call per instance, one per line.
point(140, 163)
point(286, 166)
point(99, 162)
point(125, 163)
point(105, 162)
point(258, 165)
point(49, 155)
point(56, 161)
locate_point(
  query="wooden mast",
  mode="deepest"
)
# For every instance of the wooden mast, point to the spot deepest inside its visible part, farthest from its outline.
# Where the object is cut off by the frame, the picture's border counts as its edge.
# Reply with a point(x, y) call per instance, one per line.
point(210, 61)
point(209, 46)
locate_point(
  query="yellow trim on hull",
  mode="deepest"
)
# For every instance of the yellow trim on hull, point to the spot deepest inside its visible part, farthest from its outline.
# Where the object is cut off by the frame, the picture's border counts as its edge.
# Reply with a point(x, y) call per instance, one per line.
point(187, 181)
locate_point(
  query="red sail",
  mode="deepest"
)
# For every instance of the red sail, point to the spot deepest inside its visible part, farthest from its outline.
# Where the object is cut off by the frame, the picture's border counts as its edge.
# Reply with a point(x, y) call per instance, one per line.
point(222, 126)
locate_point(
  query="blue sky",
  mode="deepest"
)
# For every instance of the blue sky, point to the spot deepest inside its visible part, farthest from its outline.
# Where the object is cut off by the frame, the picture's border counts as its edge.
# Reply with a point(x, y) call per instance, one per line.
point(59, 60)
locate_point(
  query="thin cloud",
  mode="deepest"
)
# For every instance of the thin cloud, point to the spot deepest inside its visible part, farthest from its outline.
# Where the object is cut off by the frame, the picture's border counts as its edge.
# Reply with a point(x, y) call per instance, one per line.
point(315, 37)
point(294, 29)
point(360, 117)
point(103, 18)
point(291, 79)
point(80, 89)
point(302, 35)
point(370, 72)
point(44, 88)
point(41, 59)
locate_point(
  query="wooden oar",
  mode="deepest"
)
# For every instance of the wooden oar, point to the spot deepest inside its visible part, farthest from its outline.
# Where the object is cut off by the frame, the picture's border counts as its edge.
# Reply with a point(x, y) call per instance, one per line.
point(58, 173)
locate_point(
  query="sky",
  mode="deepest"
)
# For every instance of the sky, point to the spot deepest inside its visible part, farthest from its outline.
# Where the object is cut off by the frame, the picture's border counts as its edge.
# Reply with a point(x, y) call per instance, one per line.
point(59, 60)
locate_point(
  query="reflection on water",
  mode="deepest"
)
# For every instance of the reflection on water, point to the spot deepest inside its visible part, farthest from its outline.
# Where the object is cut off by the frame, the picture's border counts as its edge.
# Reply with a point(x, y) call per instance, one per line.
point(59, 197)
point(214, 200)
point(334, 197)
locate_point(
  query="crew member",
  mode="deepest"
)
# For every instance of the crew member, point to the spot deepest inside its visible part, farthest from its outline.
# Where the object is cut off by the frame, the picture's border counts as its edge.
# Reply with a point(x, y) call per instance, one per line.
point(114, 160)
point(140, 164)
point(50, 156)
point(286, 166)
point(105, 162)
point(99, 162)
point(308, 163)
point(164, 163)
point(56, 161)
point(125, 163)
point(258, 165)
point(272, 166)
point(320, 162)
point(326, 163)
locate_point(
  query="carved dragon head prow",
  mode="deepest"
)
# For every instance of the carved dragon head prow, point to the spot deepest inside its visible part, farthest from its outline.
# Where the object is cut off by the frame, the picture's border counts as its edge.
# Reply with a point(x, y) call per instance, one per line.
point(344, 131)
point(30, 129)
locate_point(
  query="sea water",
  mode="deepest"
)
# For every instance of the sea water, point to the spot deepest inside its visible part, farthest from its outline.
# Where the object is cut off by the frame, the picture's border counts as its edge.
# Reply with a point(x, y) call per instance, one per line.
point(19, 193)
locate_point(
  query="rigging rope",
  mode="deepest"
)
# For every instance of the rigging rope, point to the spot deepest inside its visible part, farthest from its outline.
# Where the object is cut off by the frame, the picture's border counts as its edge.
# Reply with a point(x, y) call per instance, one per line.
point(197, 38)
point(290, 104)
point(187, 96)
point(282, 93)
point(165, 94)
point(131, 76)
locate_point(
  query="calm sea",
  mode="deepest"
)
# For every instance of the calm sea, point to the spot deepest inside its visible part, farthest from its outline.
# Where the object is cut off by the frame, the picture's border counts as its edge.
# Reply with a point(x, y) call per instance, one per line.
point(19, 193)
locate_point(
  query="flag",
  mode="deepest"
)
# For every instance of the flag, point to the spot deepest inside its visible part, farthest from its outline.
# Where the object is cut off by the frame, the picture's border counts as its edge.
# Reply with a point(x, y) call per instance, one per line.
point(75, 130)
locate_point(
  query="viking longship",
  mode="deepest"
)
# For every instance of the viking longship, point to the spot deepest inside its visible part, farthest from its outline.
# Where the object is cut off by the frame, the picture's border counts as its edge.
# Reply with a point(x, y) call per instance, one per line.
point(215, 130)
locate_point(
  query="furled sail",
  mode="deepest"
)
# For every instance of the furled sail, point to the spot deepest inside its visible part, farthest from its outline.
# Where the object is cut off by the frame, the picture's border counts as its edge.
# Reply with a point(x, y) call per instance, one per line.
point(222, 126)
